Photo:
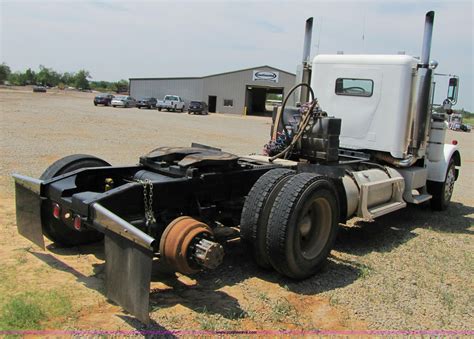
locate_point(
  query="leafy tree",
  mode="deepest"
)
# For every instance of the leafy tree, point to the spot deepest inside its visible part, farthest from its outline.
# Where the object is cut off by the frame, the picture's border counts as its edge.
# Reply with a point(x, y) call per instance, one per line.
point(120, 86)
point(81, 79)
point(4, 72)
point(15, 79)
point(67, 78)
point(29, 77)
point(47, 76)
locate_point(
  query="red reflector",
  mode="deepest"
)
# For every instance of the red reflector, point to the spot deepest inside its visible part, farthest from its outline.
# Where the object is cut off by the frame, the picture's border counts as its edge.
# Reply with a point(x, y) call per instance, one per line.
point(77, 222)
point(56, 211)
point(454, 142)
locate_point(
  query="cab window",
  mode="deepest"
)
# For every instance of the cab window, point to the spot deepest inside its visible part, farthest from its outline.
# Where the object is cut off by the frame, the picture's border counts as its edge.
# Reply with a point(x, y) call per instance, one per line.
point(354, 87)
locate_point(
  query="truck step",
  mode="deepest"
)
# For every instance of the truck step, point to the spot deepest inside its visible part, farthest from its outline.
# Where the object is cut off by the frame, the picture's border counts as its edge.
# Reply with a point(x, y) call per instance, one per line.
point(419, 199)
point(395, 185)
point(386, 208)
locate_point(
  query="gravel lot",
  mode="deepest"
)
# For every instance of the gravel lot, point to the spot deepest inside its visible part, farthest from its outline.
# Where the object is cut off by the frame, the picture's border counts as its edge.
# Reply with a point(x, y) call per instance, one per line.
point(413, 269)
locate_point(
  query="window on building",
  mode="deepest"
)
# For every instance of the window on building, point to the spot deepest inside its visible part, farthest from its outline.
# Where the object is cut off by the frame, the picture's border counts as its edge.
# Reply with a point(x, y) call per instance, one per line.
point(354, 87)
point(228, 103)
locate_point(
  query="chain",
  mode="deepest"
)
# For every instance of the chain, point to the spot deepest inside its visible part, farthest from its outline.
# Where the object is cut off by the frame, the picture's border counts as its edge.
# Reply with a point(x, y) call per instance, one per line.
point(148, 201)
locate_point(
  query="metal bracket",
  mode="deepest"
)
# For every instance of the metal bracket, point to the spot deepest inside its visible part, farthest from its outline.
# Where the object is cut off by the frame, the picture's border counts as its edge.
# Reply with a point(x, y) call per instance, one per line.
point(394, 204)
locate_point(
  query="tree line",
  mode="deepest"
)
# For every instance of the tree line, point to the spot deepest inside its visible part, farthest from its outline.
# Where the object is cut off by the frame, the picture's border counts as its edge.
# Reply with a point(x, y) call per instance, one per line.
point(51, 78)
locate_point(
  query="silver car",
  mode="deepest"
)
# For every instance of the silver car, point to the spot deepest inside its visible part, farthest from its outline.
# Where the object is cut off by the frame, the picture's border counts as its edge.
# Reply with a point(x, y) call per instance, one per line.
point(123, 101)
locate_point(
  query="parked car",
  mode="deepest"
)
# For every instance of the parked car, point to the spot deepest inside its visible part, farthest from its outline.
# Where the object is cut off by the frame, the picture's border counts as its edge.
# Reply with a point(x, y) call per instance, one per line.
point(39, 89)
point(466, 128)
point(199, 107)
point(123, 101)
point(171, 103)
point(103, 99)
point(147, 102)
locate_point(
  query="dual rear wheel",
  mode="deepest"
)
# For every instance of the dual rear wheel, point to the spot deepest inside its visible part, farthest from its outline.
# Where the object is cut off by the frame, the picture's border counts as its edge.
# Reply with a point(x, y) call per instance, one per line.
point(289, 222)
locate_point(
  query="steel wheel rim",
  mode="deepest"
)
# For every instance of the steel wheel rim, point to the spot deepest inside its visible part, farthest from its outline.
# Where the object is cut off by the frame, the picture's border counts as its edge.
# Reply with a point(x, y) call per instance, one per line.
point(449, 184)
point(314, 228)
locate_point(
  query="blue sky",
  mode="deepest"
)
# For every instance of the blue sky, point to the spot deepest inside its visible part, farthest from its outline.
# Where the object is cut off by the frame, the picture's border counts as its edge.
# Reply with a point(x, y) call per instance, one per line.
point(121, 39)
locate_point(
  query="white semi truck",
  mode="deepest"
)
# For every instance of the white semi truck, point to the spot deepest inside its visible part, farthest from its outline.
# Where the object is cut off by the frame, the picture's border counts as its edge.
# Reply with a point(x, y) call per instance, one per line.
point(366, 143)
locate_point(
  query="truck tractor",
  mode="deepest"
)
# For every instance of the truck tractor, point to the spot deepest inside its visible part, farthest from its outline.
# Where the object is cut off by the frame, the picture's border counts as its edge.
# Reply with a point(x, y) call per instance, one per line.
point(365, 143)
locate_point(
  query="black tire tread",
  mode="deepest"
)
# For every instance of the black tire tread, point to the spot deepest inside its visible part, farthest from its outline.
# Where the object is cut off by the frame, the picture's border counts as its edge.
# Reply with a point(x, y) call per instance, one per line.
point(60, 166)
point(280, 216)
point(251, 216)
point(436, 189)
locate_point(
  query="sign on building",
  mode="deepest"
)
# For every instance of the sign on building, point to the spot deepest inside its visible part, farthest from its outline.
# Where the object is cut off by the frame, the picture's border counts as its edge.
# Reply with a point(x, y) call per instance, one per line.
point(265, 76)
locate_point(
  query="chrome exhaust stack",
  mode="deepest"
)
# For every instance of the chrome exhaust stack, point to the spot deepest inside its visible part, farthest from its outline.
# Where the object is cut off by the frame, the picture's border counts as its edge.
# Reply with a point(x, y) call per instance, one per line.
point(306, 62)
point(422, 117)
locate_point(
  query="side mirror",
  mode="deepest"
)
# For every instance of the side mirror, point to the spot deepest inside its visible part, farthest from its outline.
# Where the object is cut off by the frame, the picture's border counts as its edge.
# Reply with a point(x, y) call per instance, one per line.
point(453, 90)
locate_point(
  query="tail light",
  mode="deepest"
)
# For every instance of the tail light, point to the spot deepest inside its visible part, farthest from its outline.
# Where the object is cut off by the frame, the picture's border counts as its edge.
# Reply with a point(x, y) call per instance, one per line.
point(56, 210)
point(77, 222)
point(454, 142)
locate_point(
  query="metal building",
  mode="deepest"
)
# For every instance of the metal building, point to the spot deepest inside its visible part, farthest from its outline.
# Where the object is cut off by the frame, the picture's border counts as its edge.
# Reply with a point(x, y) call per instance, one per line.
point(239, 92)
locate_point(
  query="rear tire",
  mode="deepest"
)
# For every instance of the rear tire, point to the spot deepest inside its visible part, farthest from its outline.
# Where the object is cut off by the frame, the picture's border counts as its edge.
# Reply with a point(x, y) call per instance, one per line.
point(303, 225)
point(256, 211)
point(443, 191)
point(54, 229)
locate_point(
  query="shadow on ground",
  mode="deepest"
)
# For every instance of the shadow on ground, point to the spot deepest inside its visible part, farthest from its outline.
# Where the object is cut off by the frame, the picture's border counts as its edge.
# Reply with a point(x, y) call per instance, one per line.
point(390, 231)
point(151, 330)
point(383, 235)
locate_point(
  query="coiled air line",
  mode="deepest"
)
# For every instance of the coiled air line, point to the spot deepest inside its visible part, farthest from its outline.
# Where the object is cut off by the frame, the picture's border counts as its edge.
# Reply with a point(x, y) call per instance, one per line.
point(303, 124)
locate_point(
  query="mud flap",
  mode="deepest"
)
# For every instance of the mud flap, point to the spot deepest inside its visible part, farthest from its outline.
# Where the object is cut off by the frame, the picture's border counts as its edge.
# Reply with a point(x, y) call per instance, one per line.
point(128, 274)
point(128, 262)
point(28, 209)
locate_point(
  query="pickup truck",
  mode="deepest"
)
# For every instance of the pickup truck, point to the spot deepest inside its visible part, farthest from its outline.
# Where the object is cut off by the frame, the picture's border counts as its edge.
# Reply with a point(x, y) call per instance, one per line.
point(171, 103)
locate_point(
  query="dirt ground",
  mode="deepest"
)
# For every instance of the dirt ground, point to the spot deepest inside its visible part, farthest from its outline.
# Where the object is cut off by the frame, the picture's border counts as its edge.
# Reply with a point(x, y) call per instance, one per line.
point(411, 270)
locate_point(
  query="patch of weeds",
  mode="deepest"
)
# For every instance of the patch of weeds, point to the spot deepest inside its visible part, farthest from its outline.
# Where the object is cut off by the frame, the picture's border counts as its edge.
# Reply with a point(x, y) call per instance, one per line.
point(31, 310)
point(407, 310)
point(364, 271)
point(333, 301)
point(21, 313)
point(235, 314)
point(447, 298)
point(263, 296)
point(212, 322)
point(174, 319)
point(252, 315)
point(281, 309)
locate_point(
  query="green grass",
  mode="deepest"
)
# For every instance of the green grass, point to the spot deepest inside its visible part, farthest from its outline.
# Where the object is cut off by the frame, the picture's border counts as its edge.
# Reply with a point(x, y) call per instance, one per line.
point(29, 311)
point(469, 121)
point(364, 271)
point(213, 322)
point(281, 309)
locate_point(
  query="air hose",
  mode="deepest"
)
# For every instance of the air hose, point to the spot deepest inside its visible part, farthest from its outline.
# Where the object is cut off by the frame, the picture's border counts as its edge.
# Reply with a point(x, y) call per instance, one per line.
point(303, 124)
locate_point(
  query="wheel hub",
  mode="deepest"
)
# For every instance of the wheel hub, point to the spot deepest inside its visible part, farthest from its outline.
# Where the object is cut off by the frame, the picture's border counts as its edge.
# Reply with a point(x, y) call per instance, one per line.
point(314, 228)
point(187, 247)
